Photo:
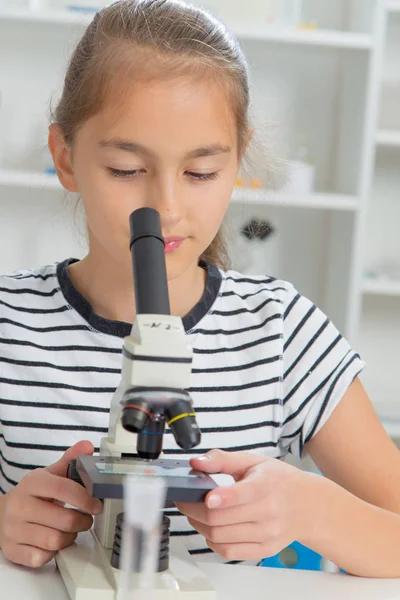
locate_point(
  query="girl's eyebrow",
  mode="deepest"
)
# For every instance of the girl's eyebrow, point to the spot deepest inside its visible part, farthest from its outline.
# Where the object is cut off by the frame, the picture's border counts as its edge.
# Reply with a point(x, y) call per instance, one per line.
point(127, 146)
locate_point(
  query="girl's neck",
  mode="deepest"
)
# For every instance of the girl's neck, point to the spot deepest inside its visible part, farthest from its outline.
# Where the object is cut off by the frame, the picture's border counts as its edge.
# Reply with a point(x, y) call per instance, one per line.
point(108, 287)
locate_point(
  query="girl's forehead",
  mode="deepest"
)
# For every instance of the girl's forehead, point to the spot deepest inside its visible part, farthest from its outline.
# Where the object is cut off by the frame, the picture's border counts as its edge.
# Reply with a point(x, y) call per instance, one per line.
point(182, 104)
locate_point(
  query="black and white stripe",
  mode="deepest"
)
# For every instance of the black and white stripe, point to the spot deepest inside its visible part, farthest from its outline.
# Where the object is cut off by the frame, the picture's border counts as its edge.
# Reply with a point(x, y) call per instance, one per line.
point(268, 369)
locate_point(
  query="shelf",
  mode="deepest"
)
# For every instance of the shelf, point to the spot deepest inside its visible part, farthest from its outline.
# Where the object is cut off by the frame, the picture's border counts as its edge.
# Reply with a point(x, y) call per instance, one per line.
point(388, 137)
point(319, 37)
point(318, 201)
point(381, 286)
point(60, 16)
point(325, 38)
point(35, 180)
point(27, 179)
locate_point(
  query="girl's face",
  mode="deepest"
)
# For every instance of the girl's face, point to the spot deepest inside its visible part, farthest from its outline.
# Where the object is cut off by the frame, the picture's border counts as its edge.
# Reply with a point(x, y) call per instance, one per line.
point(170, 145)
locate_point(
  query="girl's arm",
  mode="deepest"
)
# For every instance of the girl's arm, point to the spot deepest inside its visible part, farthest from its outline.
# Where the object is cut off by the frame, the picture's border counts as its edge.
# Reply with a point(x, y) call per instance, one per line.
point(273, 503)
point(360, 530)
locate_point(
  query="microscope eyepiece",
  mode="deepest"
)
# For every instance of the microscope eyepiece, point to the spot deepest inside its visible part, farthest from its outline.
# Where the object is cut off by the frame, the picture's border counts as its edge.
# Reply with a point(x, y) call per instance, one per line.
point(146, 409)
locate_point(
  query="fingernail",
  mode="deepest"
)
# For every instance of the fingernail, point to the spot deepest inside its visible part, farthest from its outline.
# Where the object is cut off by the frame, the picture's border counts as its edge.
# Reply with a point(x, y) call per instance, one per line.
point(203, 457)
point(214, 502)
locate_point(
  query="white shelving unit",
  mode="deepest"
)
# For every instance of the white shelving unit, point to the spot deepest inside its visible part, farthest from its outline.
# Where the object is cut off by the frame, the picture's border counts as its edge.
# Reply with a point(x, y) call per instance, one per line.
point(379, 298)
point(316, 88)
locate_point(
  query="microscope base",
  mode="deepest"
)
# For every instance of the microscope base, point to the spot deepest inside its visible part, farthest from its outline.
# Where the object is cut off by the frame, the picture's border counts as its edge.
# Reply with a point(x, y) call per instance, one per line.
point(88, 575)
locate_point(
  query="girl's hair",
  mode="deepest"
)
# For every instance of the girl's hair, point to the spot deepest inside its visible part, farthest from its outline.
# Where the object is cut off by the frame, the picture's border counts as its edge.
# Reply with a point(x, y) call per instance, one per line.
point(144, 39)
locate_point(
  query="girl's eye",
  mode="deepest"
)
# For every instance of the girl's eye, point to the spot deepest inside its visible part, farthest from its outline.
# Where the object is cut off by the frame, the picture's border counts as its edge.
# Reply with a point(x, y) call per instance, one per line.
point(125, 174)
point(121, 174)
point(202, 176)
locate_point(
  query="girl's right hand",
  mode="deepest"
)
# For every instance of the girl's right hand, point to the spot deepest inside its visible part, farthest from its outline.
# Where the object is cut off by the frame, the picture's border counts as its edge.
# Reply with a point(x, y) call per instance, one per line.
point(33, 527)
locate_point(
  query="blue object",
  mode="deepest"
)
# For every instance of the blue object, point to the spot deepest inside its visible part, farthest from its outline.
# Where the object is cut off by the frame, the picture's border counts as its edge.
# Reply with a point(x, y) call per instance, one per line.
point(301, 557)
point(50, 171)
point(83, 9)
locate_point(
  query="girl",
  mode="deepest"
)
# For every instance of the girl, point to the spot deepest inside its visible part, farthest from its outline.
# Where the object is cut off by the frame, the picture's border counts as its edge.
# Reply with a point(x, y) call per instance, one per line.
point(154, 112)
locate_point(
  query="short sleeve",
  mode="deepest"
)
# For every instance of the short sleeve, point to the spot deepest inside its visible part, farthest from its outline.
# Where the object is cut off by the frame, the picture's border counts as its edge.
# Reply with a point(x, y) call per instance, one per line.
point(318, 367)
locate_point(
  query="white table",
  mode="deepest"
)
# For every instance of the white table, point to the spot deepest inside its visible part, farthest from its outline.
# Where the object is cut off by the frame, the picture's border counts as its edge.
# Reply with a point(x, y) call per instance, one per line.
point(231, 582)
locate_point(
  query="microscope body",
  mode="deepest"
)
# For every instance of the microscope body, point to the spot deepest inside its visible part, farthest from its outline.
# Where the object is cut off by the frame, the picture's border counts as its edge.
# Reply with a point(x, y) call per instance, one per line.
point(155, 377)
point(155, 355)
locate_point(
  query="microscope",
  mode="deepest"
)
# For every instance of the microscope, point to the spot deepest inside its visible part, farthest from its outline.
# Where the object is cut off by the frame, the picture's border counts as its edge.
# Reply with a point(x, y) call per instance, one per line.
point(152, 394)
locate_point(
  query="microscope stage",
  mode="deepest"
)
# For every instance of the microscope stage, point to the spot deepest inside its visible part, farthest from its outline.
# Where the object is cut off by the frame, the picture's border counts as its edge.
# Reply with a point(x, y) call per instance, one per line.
point(103, 476)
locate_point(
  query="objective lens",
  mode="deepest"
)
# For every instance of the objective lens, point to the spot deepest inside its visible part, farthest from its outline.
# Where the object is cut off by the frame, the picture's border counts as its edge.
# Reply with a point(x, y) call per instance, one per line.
point(182, 420)
point(150, 439)
point(136, 411)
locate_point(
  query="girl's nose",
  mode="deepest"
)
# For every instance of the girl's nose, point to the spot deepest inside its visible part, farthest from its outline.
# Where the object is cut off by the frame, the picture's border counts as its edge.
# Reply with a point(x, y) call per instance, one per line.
point(166, 200)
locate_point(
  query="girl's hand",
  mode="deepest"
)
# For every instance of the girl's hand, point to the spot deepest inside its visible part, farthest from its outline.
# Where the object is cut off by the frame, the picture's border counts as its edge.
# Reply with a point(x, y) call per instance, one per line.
point(270, 505)
point(33, 528)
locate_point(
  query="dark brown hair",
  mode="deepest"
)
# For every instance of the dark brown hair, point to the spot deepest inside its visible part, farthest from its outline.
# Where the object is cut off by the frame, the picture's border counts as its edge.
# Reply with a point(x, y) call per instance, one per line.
point(153, 38)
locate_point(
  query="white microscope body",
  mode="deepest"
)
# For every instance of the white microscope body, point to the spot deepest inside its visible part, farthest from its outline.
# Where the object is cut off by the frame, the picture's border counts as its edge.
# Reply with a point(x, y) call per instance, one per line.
point(155, 356)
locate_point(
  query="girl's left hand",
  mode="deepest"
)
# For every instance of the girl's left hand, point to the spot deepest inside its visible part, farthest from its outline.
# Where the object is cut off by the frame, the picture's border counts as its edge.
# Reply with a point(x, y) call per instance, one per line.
point(270, 505)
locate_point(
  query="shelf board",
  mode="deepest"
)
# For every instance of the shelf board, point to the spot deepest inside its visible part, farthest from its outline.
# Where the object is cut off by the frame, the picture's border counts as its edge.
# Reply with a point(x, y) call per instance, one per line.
point(43, 181)
point(55, 16)
point(388, 137)
point(319, 37)
point(29, 179)
point(381, 286)
point(318, 200)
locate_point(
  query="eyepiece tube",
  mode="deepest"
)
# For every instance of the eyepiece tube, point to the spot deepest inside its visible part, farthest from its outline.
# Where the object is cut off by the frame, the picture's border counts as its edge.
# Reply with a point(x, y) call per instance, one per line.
point(148, 262)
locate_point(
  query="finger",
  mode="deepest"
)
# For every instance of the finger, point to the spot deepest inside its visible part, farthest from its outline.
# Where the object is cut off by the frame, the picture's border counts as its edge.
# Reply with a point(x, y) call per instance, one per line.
point(64, 519)
point(225, 516)
point(60, 467)
point(246, 551)
point(230, 463)
point(247, 491)
point(45, 538)
point(27, 556)
point(44, 484)
point(230, 534)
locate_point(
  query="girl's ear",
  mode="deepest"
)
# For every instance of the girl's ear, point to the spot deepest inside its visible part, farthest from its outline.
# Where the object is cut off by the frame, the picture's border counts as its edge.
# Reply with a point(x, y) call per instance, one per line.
point(62, 158)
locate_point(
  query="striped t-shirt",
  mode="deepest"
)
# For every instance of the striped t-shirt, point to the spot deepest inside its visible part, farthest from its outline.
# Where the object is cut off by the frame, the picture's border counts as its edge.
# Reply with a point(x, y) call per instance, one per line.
point(268, 370)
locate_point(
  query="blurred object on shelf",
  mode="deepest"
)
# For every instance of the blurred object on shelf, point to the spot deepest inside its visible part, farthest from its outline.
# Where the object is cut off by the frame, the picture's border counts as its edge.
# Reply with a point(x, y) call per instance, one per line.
point(271, 13)
point(48, 164)
point(282, 13)
point(77, 5)
point(300, 172)
point(312, 26)
point(385, 271)
point(39, 4)
point(256, 184)
point(239, 182)
point(255, 248)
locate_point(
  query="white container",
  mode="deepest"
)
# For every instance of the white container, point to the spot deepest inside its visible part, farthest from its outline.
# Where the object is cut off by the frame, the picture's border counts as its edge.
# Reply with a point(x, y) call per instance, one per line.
point(300, 178)
point(38, 4)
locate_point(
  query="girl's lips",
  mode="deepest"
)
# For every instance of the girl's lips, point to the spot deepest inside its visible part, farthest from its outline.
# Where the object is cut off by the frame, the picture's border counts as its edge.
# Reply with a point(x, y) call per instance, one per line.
point(172, 244)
